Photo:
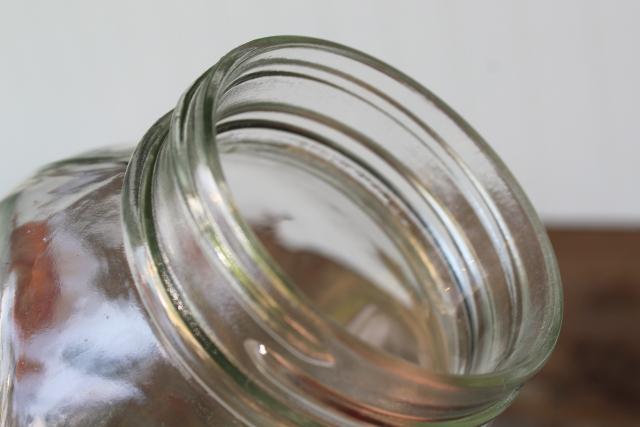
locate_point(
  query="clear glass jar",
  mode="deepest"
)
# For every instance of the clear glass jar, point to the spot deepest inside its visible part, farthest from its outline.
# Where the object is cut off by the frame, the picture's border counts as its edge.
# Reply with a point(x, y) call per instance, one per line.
point(309, 238)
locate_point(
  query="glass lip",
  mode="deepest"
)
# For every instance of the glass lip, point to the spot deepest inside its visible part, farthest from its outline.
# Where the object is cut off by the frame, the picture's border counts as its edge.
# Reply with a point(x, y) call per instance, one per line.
point(214, 79)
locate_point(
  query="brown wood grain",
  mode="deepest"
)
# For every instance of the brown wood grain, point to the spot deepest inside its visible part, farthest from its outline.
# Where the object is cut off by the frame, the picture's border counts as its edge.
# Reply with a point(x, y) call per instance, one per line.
point(593, 376)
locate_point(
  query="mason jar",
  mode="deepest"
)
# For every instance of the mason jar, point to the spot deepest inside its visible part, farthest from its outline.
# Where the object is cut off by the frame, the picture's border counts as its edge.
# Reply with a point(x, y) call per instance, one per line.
point(309, 238)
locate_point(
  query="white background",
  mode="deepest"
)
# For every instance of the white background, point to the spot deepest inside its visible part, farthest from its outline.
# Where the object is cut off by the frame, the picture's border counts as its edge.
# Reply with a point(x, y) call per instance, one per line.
point(553, 85)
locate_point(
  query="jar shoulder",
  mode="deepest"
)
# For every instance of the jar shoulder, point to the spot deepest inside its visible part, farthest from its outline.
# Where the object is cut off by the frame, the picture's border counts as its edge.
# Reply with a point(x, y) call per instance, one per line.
point(77, 347)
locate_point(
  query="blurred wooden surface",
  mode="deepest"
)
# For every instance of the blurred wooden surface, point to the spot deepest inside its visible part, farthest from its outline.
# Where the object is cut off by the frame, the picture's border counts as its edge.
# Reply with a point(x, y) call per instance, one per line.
point(593, 377)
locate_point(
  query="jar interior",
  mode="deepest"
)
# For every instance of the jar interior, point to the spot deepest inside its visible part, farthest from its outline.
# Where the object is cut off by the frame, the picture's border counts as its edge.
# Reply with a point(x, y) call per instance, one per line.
point(334, 242)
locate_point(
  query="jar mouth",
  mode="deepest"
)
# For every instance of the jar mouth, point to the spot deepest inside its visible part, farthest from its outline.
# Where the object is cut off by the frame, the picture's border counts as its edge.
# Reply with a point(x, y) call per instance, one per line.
point(476, 247)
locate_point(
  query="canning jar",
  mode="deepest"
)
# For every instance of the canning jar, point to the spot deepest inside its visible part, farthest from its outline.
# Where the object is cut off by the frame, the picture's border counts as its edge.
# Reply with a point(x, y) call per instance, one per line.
point(309, 237)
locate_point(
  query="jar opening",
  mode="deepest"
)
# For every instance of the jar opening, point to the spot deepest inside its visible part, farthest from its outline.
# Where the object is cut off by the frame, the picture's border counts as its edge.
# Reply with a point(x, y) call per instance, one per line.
point(391, 264)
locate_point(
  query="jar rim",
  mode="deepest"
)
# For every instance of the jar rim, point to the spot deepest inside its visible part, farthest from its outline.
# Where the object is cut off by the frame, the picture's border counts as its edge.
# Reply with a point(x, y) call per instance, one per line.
point(191, 141)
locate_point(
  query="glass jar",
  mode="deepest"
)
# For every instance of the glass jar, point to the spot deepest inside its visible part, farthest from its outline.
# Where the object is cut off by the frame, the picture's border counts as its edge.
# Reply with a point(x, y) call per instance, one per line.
point(309, 238)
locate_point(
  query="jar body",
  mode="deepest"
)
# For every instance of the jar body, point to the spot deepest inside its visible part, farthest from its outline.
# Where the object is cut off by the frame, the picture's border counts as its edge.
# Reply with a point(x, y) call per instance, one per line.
point(76, 345)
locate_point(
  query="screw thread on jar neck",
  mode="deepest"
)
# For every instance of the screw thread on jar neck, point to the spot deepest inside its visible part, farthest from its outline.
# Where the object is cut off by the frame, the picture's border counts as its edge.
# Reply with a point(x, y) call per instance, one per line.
point(471, 295)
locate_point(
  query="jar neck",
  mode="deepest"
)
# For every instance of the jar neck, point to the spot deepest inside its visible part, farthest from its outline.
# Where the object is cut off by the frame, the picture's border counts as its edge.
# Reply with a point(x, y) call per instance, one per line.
point(236, 321)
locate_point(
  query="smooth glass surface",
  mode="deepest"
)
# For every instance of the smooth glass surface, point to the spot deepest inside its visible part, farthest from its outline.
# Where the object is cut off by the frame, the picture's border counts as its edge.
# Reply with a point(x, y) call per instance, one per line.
point(76, 345)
